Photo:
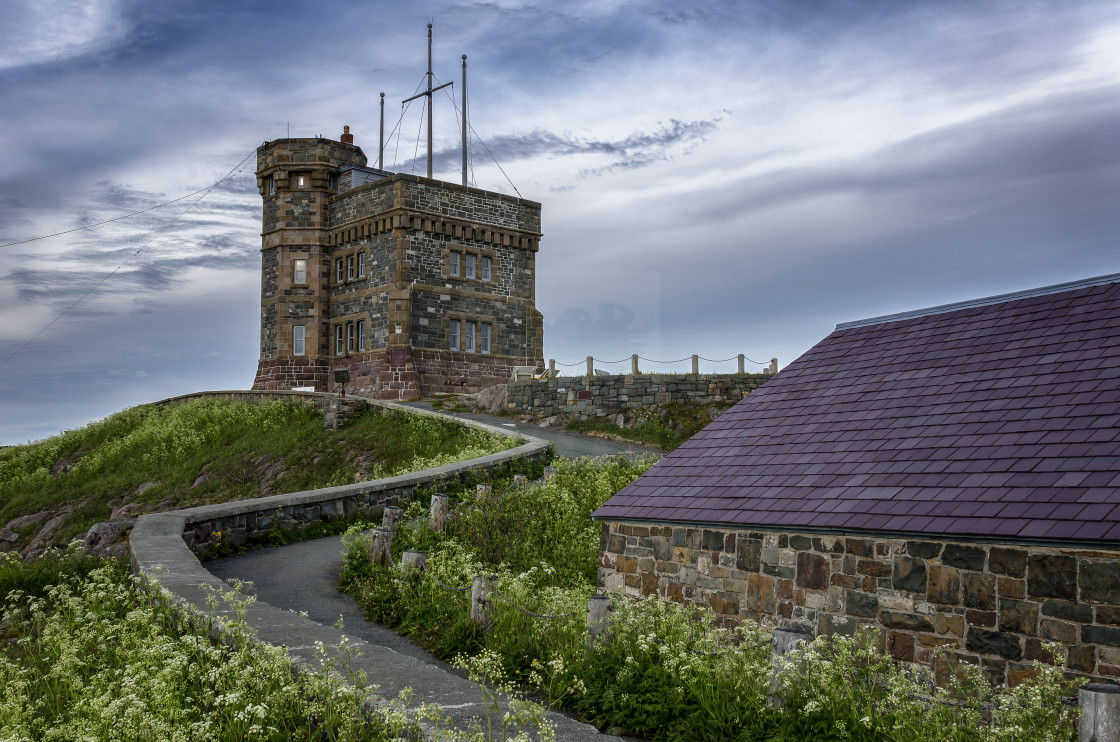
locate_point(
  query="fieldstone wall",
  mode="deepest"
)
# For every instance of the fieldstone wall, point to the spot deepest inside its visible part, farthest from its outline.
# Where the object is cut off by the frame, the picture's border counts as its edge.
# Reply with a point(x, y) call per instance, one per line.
point(994, 605)
point(601, 396)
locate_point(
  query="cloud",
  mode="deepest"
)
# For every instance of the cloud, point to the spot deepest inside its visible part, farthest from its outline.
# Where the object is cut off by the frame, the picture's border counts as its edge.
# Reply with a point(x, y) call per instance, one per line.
point(635, 150)
point(43, 31)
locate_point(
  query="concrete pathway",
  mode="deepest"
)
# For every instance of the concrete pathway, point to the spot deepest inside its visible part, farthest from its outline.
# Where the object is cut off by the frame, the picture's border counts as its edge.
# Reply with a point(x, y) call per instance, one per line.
point(568, 445)
point(302, 577)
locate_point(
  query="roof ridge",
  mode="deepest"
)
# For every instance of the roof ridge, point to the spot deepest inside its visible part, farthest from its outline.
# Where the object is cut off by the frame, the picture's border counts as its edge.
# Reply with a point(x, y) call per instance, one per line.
point(985, 301)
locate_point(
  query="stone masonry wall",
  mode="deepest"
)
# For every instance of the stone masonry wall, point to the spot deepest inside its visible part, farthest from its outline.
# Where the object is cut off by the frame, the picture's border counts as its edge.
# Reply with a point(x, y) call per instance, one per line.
point(995, 605)
point(602, 396)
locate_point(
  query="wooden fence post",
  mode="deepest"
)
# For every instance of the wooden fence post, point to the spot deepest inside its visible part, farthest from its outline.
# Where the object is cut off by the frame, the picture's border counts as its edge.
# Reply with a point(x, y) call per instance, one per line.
point(390, 516)
point(379, 546)
point(695, 364)
point(482, 490)
point(742, 364)
point(438, 513)
point(550, 474)
point(598, 619)
point(634, 364)
point(552, 368)
point(773, 366)
point(1100, 713)
point(482, 610)
point(413, 559)
point(590, 366)
point(520, 480)
point(784, 640)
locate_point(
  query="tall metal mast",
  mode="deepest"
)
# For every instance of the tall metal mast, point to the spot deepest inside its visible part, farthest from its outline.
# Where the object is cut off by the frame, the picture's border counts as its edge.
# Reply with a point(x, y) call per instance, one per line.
point(428, 93)
point(464, 119)
point(381, 143)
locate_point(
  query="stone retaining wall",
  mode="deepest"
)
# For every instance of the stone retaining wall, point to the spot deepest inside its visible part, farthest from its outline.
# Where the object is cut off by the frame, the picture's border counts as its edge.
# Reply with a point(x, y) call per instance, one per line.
point(601, 396)
point(237, 523)
point(995, 605)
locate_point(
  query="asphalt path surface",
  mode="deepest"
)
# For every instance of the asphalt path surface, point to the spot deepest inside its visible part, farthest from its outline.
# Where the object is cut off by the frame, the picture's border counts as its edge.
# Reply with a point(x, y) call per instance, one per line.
point(568, 445)
point(303, 576)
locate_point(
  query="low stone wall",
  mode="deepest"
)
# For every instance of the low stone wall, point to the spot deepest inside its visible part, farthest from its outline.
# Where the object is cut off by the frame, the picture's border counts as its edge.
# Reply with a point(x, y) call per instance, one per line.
point(601, 396)
point(245, 521)
point(994, 605)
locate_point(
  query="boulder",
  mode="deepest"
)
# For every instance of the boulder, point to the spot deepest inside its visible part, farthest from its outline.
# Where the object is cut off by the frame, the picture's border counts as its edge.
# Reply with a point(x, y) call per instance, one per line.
point(25, 520)
point(38, 543)
point(105, 534)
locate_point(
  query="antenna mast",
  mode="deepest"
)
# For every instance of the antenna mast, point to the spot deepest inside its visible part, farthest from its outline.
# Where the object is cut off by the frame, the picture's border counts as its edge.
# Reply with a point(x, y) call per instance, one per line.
point(464, 119)
point(428, 93)
point(381, 143)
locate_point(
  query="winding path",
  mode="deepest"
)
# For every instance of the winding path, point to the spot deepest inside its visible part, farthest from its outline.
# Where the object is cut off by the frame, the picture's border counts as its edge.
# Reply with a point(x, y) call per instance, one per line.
point(301, 577)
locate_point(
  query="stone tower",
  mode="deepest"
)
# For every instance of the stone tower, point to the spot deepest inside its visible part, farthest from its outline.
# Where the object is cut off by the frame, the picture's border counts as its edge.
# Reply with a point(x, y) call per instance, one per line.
point(414, 285)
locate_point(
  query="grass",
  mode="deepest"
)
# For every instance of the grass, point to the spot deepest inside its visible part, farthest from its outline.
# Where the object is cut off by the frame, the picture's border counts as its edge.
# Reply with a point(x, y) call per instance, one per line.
point(214, 450)
point(666, 426)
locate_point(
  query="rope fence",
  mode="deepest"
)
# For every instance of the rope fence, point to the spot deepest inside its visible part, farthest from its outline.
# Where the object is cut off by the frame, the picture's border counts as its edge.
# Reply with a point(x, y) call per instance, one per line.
point(635, 360)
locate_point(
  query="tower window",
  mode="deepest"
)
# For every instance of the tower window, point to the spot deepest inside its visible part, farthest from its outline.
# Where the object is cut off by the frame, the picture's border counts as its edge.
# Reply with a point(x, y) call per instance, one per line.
point(468, 271)
point(361, 265)
point(484, 338)
point(299, 346)
point(330, 182)
point(350, 268)
point(301, 181)
point(272, 185)
point(349, 337)
point(453, 263)
point(338, 340)
point(361, 334)
point(468, 337)
point(299, 271)
point(338, 270)
point(453, 334)
point(484, 268)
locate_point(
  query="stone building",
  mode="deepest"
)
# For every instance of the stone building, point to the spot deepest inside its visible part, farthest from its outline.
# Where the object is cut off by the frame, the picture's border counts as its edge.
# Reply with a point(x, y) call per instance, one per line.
point(414, 285)
point(949, 476)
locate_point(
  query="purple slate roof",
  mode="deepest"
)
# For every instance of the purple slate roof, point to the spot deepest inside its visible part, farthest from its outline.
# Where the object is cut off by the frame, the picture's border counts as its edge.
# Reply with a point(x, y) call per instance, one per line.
point(995, 418)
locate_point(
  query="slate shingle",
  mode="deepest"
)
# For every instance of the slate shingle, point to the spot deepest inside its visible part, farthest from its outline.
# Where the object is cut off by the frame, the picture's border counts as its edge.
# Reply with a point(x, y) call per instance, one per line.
point(996, 417)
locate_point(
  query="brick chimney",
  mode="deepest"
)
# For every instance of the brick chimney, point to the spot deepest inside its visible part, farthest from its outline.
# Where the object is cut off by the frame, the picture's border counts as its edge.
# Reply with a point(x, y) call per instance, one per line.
point(347, 137)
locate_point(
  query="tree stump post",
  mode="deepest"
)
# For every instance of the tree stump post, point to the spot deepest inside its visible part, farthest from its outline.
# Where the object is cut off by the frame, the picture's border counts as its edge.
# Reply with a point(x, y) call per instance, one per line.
point(390, 516)
point(598, 619)
point(482, 610)
point(1100, 713)
point(414, 560)
point(438, 513)
point(379, 546)
point(784, 640)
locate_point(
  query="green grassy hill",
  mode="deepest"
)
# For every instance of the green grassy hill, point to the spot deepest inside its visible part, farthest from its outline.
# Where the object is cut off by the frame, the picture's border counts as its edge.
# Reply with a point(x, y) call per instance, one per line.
point(153, 457)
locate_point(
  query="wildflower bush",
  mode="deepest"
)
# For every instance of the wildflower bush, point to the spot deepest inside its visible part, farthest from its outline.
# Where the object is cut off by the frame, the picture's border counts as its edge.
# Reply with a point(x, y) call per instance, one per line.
point(99, 656)
point(666, 671)
point(217, 450)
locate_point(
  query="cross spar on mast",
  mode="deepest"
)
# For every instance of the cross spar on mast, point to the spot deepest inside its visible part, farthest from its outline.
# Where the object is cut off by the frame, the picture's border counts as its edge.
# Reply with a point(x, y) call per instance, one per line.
point(428, 93)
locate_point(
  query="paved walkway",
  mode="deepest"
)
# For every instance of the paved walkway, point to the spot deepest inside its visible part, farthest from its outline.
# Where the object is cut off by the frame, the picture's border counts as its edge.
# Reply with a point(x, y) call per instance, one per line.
point(303, 577)
point(568, 445)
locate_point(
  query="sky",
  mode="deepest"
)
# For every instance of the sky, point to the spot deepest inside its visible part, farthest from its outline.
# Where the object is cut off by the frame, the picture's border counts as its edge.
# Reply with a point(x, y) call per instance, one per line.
point(715, 177)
